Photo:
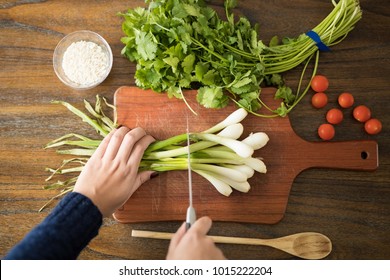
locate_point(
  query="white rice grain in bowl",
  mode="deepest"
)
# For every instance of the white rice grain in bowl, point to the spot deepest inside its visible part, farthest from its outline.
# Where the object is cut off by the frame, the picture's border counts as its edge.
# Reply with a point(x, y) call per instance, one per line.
point(82, 60)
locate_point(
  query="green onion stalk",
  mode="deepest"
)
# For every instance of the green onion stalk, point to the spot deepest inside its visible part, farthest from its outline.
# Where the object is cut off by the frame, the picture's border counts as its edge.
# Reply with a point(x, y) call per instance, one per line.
point(215, 154)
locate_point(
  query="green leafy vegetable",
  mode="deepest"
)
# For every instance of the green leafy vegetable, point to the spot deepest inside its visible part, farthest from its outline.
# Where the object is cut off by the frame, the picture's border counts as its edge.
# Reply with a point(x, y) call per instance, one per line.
point(181, 43)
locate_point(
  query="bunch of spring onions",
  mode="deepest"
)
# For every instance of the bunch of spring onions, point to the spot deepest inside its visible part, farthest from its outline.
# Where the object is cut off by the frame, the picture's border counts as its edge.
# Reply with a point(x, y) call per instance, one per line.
point(332, 30)
point(216, 153)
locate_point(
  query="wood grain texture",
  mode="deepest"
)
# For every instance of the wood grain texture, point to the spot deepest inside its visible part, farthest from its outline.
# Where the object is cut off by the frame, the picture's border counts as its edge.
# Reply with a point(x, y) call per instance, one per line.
point(285, 155)
point(351, 207)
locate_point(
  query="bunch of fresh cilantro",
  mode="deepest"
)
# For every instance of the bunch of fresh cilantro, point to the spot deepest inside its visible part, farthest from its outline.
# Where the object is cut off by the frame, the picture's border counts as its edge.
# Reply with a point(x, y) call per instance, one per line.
point(183, 44)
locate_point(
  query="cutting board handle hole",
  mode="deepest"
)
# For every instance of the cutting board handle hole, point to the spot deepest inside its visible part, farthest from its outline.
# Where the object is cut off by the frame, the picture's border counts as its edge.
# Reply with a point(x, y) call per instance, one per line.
point(364, 155)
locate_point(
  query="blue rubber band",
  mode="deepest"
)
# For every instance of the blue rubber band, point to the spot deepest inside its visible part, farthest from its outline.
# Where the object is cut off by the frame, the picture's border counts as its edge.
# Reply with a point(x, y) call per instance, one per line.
point(316, 38)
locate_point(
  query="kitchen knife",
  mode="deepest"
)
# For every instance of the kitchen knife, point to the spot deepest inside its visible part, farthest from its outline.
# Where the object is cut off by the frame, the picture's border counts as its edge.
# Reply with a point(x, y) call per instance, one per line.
point(191, 215)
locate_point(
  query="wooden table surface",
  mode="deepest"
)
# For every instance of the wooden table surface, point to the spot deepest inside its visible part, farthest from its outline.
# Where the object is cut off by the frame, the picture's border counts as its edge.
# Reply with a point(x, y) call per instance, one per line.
point(352, 208)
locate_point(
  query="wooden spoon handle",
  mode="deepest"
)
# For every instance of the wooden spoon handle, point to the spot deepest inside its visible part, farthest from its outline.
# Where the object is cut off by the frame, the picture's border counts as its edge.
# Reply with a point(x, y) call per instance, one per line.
point(216, 239)
point(151, 234)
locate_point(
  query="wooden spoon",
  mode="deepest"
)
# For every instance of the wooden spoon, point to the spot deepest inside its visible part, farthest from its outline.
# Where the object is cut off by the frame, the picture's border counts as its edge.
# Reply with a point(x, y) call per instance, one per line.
point(305, 245)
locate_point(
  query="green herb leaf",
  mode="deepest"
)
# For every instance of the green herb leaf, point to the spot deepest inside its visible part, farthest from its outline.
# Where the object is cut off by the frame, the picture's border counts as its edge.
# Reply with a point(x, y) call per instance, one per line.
point(274, 41)
point(200, 70)
point(286, 94)
point(209, 78)
point(192, 10)
point(178, 11)
point(282, 110)
point(242, 82)
point(212, 97)
point(230, 4)
point(173, 62)
point(188, 63)
point(146, 46)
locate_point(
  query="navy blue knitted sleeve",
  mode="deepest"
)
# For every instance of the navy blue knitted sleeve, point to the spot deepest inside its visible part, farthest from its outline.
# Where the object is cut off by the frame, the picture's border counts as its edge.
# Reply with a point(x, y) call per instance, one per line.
point(63, 233)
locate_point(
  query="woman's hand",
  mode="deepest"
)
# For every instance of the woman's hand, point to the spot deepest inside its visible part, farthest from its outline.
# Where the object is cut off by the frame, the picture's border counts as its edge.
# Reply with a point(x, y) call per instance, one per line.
point(111, 175)
point(194, 244)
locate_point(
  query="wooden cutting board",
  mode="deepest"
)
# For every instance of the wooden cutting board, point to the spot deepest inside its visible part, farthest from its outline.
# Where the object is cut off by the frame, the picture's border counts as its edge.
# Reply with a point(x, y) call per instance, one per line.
point(286, 155)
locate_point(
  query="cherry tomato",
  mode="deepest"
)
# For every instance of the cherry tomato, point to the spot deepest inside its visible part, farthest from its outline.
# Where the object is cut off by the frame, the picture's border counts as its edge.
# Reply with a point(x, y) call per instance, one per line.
point(326, 131)
point(373, 126)
point(319, 100)
point(334, 116)
point(362, 113)
point(346, 100)
point(319, 83)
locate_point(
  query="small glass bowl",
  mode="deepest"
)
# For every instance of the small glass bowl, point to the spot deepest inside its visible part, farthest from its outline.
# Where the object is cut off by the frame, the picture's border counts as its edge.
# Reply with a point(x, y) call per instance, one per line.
point(82, 35)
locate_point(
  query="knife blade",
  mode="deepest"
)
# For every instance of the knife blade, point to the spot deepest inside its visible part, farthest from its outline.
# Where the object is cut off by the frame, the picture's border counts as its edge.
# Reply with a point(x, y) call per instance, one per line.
point(191, 215)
